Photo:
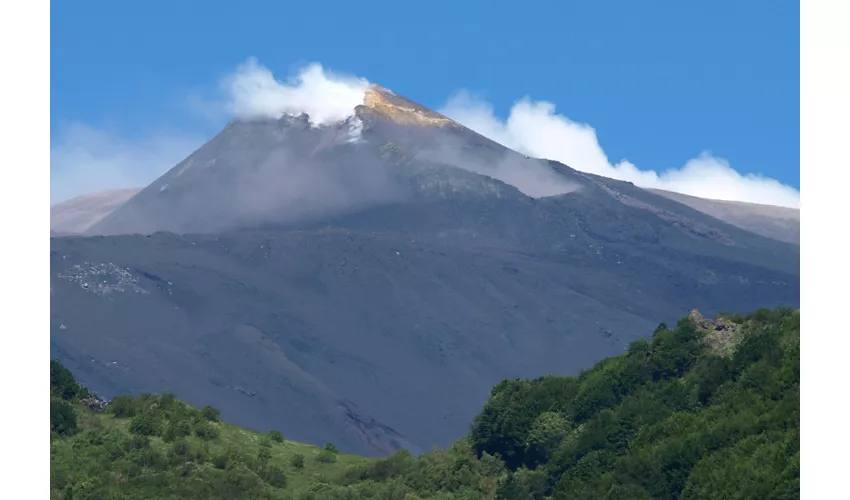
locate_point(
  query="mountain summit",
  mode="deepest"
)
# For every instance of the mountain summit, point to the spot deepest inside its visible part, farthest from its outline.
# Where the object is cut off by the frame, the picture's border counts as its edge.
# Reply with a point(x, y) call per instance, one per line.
point(402, 110)
point(288, 170)
point(367, 281)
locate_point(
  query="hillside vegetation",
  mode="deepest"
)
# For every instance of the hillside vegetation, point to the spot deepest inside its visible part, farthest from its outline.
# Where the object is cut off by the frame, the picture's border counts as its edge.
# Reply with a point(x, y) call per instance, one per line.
point(705, 410)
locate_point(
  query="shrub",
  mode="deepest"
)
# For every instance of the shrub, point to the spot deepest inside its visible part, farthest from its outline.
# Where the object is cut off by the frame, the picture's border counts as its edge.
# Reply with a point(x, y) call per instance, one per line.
point(327, 457)
point(137, 443)
point(201, 454)
point(275, 436)
point(297, 461)
point(62, 383)
point(393, 466)
point(167, 400)
point(143, 425)
point(221, 461)
point(149, 458)
point(211, 414)
point(264, 454)
point(274, 476)
point(124, 407)
point(179, 449)
point(238, 481)
point(546, 434)
point(522, 483)
point(63, 419)
point(169, 435)
point(176, 429)
point(207, 431)
point(331, 448)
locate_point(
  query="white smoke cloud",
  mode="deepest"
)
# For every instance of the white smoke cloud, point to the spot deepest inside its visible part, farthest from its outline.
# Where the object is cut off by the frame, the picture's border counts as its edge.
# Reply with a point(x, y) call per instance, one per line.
point(84, 159)
point(533, 178)
point(535, 129)
point(326, 97)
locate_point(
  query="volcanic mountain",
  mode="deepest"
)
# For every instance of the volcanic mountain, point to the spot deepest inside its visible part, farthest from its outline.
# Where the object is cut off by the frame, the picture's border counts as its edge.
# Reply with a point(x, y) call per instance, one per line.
point(367, 282)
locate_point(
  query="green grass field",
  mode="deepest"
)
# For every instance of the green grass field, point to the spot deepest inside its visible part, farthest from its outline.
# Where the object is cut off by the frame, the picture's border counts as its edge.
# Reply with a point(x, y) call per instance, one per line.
point(75, 466)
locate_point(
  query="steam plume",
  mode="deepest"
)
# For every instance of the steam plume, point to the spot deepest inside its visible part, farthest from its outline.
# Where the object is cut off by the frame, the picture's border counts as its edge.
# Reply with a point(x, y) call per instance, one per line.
point(324, 96)
point(534, 128)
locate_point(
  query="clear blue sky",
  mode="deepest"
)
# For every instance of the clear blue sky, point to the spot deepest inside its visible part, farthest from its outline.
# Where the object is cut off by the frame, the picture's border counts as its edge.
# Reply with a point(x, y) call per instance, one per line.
point(659, 80)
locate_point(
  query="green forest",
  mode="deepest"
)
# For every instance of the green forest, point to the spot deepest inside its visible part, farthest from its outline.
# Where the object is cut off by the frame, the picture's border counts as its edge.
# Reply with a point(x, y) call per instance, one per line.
point(709, 409)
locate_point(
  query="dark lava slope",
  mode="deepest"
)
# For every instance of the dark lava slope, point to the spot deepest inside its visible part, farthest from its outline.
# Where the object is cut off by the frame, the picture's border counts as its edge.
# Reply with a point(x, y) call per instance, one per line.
point(351, 284)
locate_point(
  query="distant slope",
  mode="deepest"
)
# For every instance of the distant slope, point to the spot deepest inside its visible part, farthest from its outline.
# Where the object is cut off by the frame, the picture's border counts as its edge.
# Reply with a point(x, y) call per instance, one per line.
point(77, 215)
point(780, 223)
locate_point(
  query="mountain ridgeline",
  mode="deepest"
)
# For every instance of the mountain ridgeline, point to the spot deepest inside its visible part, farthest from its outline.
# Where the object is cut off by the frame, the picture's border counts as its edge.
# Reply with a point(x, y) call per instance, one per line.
point(706, 410)
point(369, 282)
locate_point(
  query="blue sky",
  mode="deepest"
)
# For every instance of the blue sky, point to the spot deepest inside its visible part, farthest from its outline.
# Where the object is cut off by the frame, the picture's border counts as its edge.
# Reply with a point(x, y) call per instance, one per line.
point(659, 82)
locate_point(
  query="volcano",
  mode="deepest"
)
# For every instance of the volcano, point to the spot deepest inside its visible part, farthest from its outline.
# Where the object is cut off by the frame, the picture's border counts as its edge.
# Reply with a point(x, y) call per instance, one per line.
point(290, 171)
point(367, 282)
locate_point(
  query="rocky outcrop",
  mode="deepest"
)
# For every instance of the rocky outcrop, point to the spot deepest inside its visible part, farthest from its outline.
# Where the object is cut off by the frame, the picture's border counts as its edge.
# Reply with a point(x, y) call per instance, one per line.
point(721, 333)
point(95, 404)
